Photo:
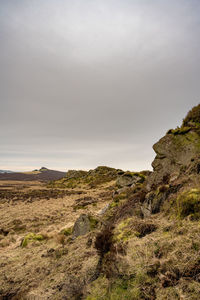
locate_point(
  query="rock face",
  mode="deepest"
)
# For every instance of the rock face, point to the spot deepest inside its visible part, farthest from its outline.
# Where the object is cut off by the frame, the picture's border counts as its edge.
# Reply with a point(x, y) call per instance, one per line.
point(176, 153)
point(81, 226)
point(129, 179)
point(177, 163)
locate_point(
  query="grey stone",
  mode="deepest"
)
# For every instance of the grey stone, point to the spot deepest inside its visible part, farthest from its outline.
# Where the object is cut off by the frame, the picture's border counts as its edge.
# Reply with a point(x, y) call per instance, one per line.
point(81, 226)
point(146, 207)
point(128, 179)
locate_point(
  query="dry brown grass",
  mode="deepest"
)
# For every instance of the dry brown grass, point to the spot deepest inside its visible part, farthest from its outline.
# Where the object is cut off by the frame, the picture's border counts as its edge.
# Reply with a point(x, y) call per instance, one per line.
point(163, 264)
point(53, 262)
point(154, 258)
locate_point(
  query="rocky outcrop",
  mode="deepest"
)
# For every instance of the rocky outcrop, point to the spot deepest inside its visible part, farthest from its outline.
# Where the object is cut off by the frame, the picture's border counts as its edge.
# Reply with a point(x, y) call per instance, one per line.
point(177, 153)
point(128, 179)
point(177, 163)
point(91, 178)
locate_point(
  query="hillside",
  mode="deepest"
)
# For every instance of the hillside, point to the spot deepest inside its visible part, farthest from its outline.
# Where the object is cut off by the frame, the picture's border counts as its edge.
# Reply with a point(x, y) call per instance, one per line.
point(108, 234)
point(43, 174)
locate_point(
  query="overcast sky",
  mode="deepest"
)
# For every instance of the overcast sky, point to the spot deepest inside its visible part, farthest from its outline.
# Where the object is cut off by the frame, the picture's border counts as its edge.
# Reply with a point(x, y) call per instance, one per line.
point(94, 82)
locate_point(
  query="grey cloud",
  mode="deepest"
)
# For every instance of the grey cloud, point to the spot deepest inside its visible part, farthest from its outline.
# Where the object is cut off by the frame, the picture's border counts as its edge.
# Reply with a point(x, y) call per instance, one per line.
point(100, 79)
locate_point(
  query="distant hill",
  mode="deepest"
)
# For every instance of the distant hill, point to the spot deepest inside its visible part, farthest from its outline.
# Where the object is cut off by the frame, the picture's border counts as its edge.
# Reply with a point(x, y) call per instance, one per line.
point(5, 171)
point(42, 174)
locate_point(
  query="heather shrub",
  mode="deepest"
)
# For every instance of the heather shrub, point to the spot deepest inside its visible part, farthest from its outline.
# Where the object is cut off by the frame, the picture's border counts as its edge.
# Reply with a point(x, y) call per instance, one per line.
point(103, 240)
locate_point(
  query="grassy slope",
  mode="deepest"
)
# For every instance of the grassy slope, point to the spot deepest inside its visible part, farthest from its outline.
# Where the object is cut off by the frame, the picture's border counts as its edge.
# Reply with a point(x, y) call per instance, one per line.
point(124, 257)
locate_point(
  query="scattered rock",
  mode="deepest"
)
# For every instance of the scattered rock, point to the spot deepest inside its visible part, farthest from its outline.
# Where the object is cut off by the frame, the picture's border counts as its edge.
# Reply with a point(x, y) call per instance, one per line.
point(81, 226)
point(146, 208)
point(103, 210)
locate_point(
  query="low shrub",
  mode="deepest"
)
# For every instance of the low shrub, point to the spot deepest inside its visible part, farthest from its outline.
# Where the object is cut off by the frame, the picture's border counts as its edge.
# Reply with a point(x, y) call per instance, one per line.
point(143, 228)
point(103, 240)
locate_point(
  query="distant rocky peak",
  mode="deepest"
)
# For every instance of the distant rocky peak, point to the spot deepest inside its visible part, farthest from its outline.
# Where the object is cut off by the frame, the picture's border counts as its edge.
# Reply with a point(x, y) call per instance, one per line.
point(43, 169)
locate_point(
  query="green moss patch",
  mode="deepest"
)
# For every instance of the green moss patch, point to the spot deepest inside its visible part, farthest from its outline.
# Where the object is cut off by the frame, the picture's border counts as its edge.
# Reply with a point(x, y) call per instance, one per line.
point(67, 231)
point(123, 231)
point(133, 227)
point(31, 237)
point(93, 222)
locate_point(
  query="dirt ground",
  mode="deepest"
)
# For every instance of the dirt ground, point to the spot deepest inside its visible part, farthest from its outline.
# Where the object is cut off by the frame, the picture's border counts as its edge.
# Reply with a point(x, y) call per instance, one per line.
point(56, 266)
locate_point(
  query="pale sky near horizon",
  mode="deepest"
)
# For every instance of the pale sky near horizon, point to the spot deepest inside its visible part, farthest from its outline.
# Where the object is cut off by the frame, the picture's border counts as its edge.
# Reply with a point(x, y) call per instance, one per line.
point(94, 82)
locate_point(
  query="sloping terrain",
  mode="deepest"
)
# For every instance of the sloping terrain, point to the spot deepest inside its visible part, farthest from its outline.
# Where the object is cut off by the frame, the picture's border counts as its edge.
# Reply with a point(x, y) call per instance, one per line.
point(108, 234)
point(38, 257)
